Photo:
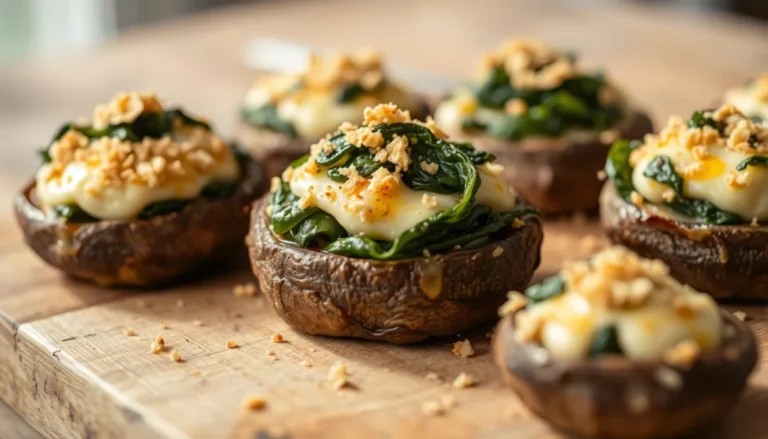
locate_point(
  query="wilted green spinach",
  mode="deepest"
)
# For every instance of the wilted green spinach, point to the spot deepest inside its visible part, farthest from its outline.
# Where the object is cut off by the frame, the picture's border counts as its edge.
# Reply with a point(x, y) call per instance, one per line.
point(465, 224)
point(573, 104)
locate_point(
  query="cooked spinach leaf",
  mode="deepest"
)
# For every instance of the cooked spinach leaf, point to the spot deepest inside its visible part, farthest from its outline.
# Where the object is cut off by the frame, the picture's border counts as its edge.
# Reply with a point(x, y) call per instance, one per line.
point(72, 213)
point(605, 341)
point(349, 92)
point(266, 117)
point(755, 160)
point(661, 170)
point(698, 120)
point(464, 224)
point(547, 289)
point(163, 208)
point(617, 167)
point(574, 103)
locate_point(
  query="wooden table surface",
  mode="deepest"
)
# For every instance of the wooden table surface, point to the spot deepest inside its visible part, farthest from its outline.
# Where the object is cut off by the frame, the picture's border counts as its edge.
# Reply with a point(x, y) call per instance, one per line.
point(670, 62)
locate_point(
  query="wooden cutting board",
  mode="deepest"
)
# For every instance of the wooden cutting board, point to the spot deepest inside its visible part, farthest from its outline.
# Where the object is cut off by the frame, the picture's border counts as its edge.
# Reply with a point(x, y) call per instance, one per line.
point(67, 367)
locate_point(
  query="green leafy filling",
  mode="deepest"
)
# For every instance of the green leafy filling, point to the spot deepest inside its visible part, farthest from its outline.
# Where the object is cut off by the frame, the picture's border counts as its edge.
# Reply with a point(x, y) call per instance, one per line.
point(605, 341)
point(547, 289)
point(661, 170)
point(466, 224)
point(755, 160)
point(266, 117)
point(574, 103)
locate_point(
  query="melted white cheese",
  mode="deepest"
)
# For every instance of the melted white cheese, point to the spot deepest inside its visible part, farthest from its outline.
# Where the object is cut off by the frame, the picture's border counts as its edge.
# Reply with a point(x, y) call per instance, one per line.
point(710, 183)
point(122, 202)
point(645, 333)
point(395, 213)
point(747, 102)
point(314, 113)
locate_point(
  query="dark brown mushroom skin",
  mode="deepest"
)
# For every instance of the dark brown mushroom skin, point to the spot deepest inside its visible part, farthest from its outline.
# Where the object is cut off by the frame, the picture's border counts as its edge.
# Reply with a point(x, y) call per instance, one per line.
point(142, 253)
point(593, 398)
point(728, 262)
point(400, 301)
point(275, 151)
point(558, 175)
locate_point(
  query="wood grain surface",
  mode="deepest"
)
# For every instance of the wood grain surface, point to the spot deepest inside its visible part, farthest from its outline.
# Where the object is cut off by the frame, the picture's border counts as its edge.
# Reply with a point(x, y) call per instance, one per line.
point(66, 366)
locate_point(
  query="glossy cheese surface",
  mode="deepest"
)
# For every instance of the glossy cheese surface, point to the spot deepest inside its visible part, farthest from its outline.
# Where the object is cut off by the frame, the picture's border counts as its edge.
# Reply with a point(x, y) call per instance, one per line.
point(314, 113)
point(710, 181)
point(393, 213)
point(644, 333)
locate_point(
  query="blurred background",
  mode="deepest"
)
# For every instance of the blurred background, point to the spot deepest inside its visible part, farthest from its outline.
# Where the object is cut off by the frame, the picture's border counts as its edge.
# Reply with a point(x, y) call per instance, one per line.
point(36, 27)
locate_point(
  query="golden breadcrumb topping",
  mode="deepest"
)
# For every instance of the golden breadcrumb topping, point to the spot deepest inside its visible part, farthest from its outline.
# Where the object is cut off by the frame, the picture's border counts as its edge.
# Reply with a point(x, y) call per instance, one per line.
point(189, 153)
point(531, 65)
point(463, 349)
point(327, 72)
point(125, 108)
point(739, 133)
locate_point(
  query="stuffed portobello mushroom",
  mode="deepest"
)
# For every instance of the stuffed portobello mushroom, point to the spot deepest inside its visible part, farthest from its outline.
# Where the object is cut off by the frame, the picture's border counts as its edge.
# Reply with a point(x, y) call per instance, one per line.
point(138, 196)
point(388, 231)
point(283, 114)
point(549, 123)
point(615, 347)
point(752, 99)
point(695, 197)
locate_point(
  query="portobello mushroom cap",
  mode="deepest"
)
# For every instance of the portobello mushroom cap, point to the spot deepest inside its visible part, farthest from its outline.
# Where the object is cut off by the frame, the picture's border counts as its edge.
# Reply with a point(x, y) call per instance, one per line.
point(559, 175)
point(400, 301)
point(728, 262)
point(275, 151)
point(613, 397)
point(142, 253)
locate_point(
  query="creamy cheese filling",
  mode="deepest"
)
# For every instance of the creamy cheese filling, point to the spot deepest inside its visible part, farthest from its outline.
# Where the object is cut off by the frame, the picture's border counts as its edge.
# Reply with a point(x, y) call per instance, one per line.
point(751, 100)
point(113, 179)
point(387, 214)
point(712, 180)
point(122, 202)
point(571, 320)
point(654, 316)
point(706, 159)
point(313, 113)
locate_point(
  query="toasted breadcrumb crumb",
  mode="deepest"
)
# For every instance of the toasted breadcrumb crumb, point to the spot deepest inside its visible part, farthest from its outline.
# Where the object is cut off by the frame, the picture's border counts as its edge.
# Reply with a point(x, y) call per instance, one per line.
point(432, 408)
point(497, 252)
point(247, 289)
point(129, 332)
point(163, 325)
point(429, 200)
point(668, 377)
point(429, 168)
point(231, 344)
point(312, 350)
point(754, 222)
point(337, 375)
point(462, 381)
point(637, 199)
point(518, 223)
point(515, 301)
point(197, 323)
point(682, 354)
point(277, 338)
point(175, 356)
point(433, 376)
point(463, 349)
point(271, 353)
point(255, 403)
point(158, 345)
point(305, 363)
point(741, 315)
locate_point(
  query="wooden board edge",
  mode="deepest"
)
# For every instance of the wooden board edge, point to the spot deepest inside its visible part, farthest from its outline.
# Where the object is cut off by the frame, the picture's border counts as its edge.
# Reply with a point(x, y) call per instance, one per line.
point(57, 397)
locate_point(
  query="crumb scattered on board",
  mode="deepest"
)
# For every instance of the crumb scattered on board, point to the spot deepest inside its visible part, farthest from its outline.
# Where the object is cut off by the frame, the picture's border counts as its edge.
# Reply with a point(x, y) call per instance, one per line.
point(305, 363)
point(163, 325)
point(463, 349)
point(433, 376)
point(437, 408)
point(277, 338)
point(129, 332)
point(247, 289)
point(231, 344)
point(255, 403)
point(741, 315)
point(175, 356)
point(462, 381)
point(337, 375)
point(158, 345)
point(198, 323)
